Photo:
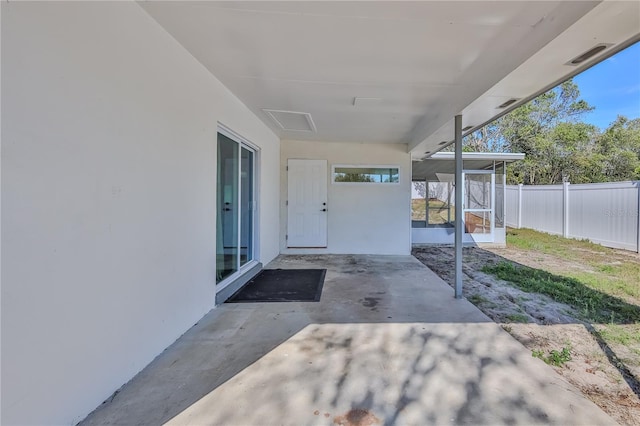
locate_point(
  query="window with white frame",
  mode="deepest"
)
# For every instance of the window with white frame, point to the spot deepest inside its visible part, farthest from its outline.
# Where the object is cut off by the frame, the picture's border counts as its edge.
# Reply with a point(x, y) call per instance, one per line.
point(369, 174)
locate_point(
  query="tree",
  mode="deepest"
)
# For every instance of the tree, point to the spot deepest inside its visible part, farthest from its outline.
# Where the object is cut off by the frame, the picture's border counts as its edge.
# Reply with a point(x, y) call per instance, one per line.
point(353, 177)
point(558, 145)
point(618, 147)
point(548, 131)
point(420, 188)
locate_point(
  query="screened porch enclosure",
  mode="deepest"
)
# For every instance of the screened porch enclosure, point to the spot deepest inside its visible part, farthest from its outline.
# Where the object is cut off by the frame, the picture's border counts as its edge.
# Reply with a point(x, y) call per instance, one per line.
point(432, 204)
point(433, 198)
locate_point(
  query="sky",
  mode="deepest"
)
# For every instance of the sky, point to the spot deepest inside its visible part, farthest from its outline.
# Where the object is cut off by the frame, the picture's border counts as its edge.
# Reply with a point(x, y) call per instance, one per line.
point(612, 87)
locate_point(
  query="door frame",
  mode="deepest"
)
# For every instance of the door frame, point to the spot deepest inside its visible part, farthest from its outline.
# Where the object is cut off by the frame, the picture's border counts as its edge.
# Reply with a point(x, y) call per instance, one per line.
point(255, 203)
point(289, 206)
point(480, 238)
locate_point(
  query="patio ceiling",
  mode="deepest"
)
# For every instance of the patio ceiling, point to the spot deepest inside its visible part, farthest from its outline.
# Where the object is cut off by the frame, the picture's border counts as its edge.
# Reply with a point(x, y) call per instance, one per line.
point(413, 64)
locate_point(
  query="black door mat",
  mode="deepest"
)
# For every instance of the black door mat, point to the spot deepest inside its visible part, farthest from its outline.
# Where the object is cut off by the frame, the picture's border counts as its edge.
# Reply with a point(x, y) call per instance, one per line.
point(282, 285)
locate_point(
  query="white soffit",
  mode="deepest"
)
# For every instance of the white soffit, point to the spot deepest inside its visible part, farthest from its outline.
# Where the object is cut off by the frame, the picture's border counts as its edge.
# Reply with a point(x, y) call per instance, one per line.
point(425, 61)
point(441, 166)
point(488, 157)
point(615, 24)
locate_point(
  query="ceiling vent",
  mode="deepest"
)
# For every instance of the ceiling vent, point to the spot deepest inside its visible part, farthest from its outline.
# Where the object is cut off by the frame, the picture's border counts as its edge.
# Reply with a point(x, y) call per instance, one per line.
point(507, 103)
point(365, 102)
point(292, 121)
point(588, 54)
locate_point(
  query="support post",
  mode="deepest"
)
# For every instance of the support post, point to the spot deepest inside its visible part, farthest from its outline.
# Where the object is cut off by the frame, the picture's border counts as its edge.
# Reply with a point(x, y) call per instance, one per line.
point(504, 199)
point(449, 203)
point(638, 219)
point(565, 209)
point(426, 202)
point(458, 206)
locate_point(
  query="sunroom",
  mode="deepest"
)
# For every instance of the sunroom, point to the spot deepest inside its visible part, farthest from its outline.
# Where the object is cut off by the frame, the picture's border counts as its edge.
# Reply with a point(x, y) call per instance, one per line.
point(433, 198)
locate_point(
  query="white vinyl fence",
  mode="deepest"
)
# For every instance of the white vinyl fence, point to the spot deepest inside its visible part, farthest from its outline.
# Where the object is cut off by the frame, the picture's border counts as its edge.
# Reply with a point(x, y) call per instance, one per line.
point(605, 213)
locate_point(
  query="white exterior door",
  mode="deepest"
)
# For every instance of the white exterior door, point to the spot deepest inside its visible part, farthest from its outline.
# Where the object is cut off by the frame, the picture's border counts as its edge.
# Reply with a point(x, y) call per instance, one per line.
point(307, 203)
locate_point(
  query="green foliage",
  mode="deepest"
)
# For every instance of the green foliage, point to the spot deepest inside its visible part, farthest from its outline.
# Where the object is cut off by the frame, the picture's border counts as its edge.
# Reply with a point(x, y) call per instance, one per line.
point(593, 305)
point(601, 283)
point(476, 299)
point(625, 335)
point(619, 278)
point(619, 148)
point(558, 145)
point(353, 177)
point(529, 239)
point(555, 358)
point(521, 318)
point(537, 353)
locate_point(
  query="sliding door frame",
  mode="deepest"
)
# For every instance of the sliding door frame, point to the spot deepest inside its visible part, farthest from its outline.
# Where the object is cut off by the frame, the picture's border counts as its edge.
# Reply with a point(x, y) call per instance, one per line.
point(254, 205)
point(480, 238)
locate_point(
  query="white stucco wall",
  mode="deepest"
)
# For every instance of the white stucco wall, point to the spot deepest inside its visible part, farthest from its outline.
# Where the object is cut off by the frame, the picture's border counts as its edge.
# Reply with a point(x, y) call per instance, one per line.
point(429, 236)
point(362, 219)
point(108, 200)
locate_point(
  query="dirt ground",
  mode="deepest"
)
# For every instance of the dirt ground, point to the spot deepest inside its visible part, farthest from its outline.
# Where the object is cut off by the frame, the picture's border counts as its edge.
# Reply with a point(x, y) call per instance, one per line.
point(542, 324)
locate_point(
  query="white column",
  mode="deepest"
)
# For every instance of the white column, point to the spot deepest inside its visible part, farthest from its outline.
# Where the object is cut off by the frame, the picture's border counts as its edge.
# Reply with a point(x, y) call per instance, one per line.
point(638, 219)
point(519, 206)
point(449, 203)
point(565, 209)
point(426, 202)
point(458, 206)
point(504, 198)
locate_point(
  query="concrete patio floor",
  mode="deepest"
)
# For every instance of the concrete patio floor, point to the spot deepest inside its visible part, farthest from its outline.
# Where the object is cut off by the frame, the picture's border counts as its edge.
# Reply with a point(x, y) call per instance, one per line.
point(387, 344)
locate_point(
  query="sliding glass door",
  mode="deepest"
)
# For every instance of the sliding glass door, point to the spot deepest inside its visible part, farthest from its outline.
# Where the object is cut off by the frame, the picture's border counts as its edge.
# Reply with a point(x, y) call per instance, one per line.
point(235, 205)
point(246, 205)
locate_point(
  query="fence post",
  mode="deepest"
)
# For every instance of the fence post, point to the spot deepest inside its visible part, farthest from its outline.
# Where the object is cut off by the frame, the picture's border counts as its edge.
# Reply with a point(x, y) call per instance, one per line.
point(565, 209)
point(638, 220)
point(519, 206)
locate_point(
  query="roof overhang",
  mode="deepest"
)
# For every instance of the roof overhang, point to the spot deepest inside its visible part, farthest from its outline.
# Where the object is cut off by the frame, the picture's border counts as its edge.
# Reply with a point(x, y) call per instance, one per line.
point(614, 24)
point(392, 71)
point(441, 165)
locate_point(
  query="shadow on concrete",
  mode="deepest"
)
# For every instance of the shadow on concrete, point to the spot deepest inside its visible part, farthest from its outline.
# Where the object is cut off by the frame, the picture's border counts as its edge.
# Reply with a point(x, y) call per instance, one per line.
point(589, 304)
point(387, 344)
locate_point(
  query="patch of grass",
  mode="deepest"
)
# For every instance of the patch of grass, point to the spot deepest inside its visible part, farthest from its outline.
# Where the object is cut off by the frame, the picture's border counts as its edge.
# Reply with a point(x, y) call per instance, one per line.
point(555, 358)
point(594, 305)
point(521, 318)
point(621, 284)
point(438, 213)
point(476, 299)
point(606, 269)
point(627, 335)
point(418, 209)
point(529, 239)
